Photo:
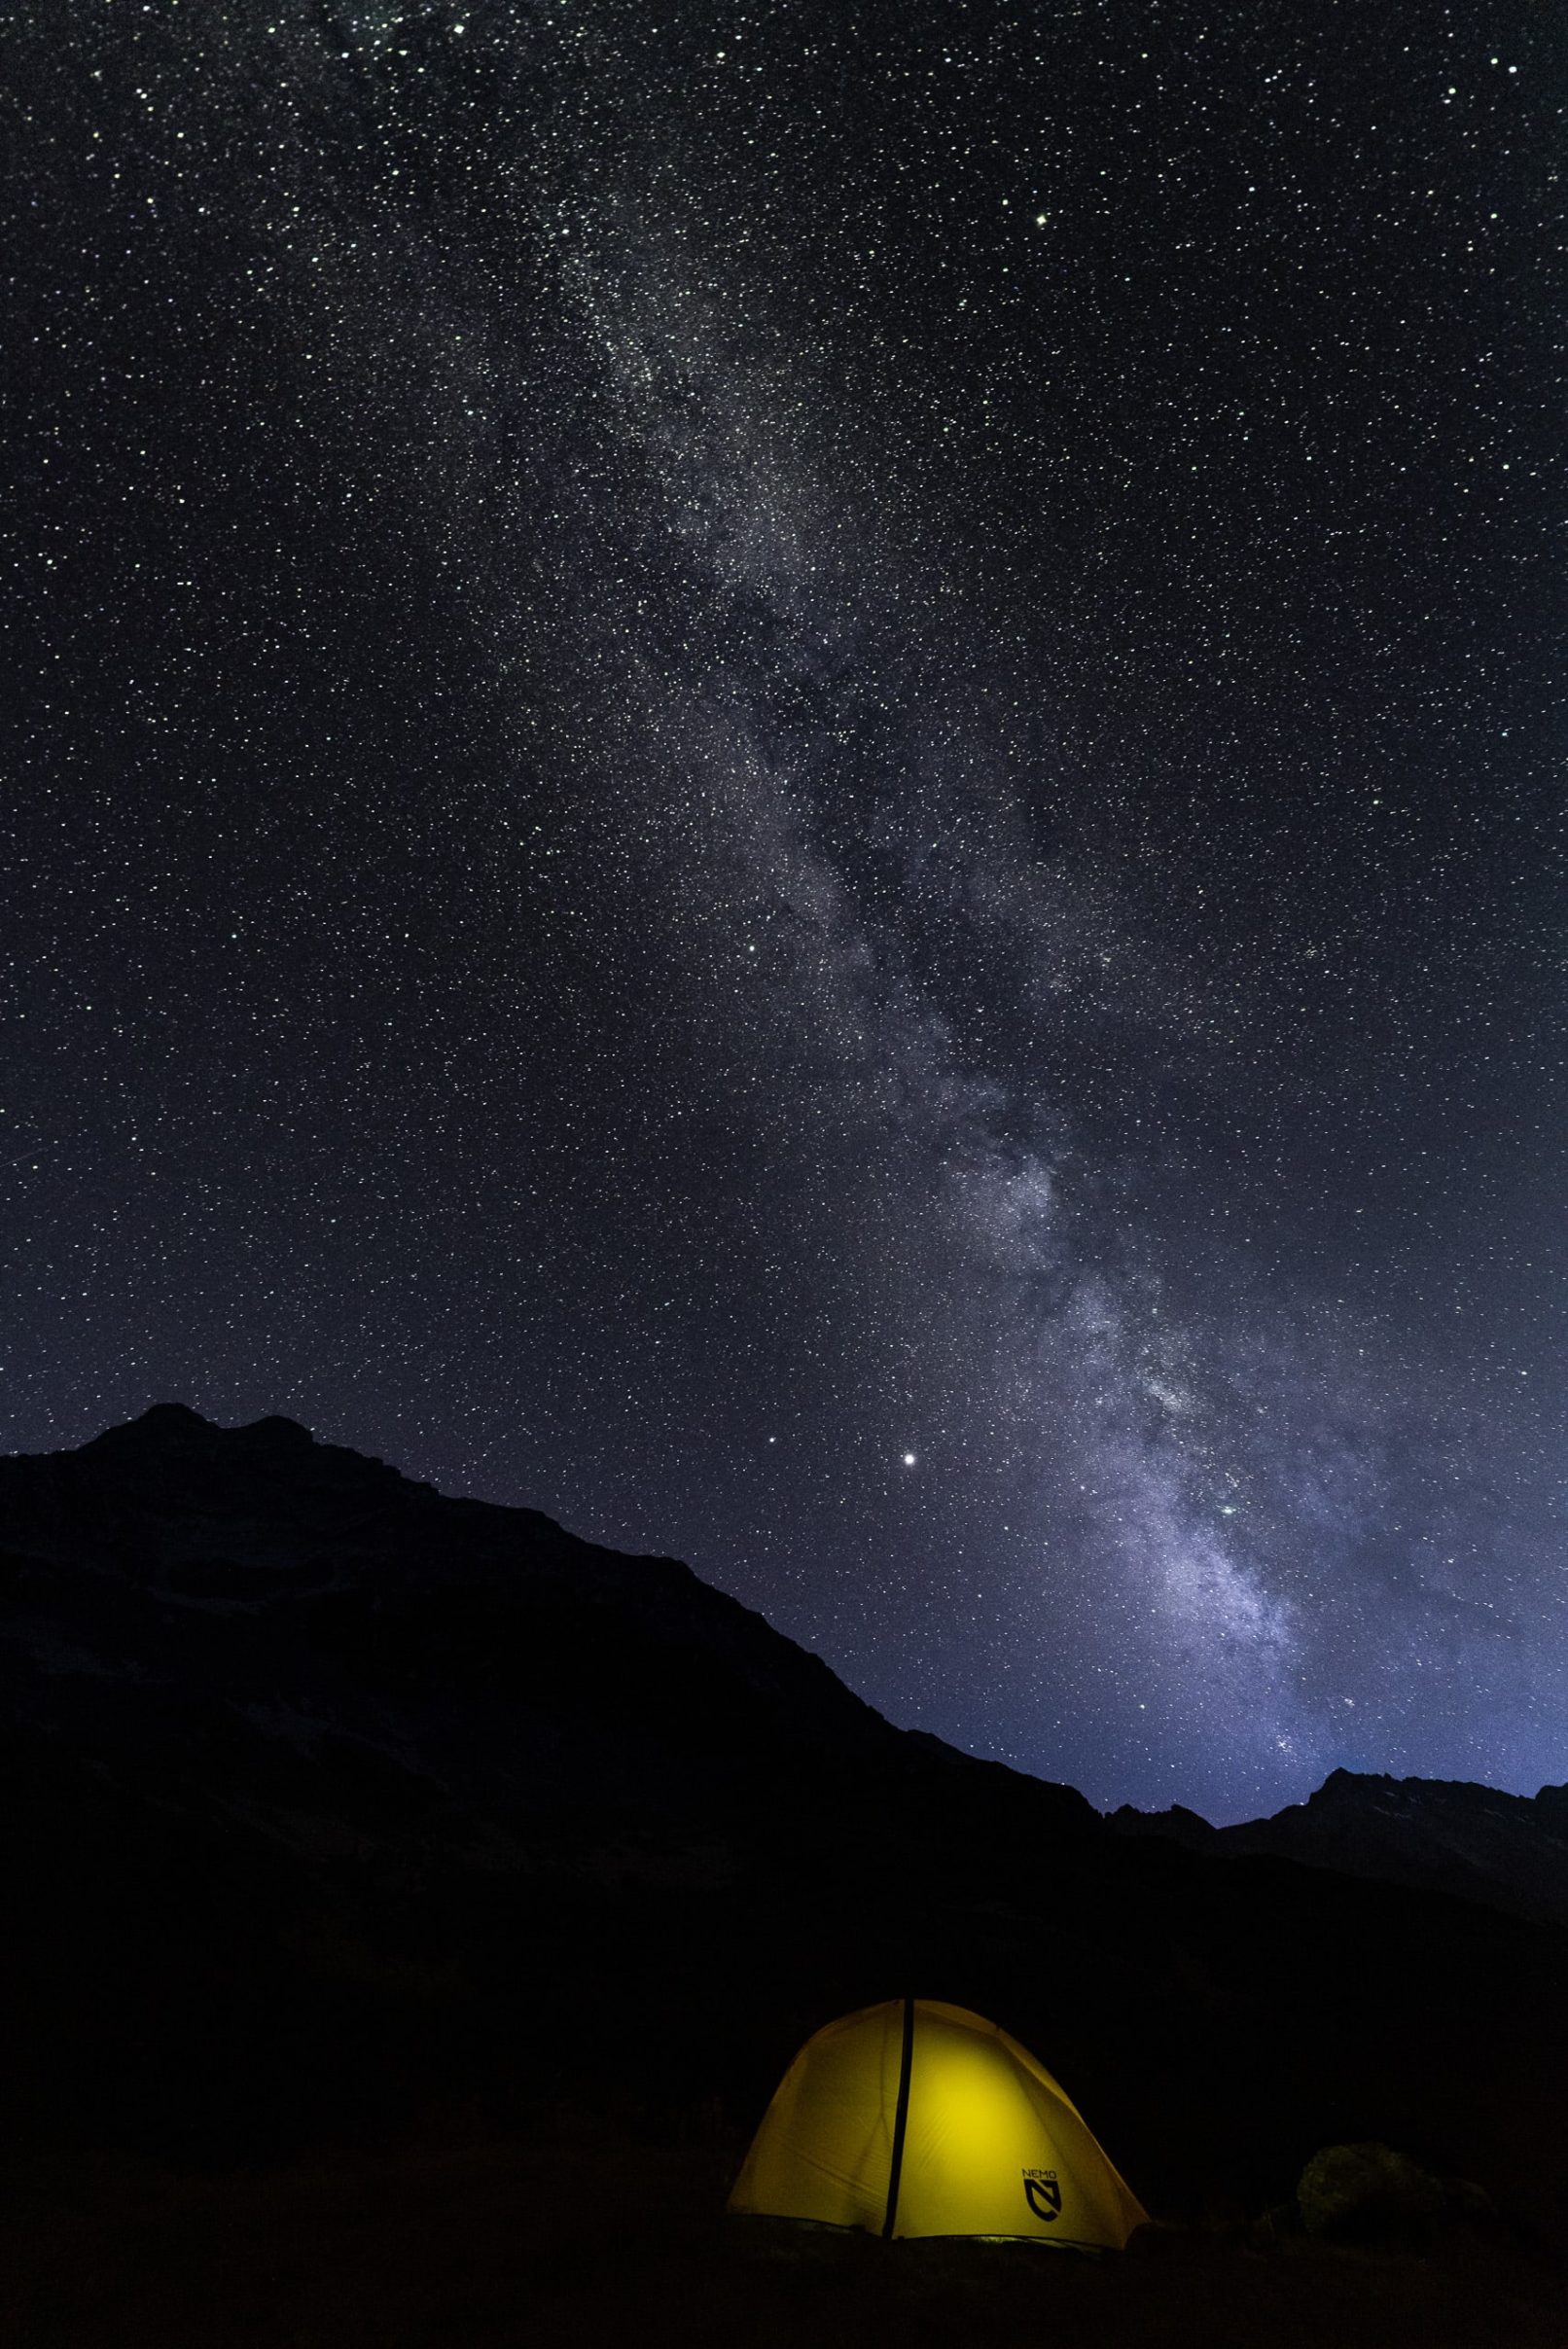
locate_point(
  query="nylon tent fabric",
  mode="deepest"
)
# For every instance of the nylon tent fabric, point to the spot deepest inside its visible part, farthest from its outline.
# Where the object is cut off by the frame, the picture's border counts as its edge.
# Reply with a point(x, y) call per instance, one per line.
point(992, 2145)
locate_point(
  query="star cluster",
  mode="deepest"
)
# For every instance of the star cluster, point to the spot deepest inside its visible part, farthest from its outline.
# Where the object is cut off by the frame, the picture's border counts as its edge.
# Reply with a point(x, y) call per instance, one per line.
point(786, 778)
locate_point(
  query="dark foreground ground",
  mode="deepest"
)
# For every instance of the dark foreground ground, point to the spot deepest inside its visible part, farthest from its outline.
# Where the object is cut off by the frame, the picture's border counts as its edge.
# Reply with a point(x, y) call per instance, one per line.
point(592, 2238)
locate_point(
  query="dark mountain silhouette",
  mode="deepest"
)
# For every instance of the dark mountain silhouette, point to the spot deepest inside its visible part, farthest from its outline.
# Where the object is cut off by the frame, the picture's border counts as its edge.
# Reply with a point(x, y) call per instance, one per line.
point(334, 1808)
point(1509, 1850)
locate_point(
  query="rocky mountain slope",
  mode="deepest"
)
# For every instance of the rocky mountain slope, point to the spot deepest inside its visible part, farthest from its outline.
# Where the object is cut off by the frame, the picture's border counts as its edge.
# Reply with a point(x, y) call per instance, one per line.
point(334, 1809)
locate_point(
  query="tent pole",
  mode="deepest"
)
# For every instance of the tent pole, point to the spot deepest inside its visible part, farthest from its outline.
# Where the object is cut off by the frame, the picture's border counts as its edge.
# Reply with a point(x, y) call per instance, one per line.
point(901, 2120)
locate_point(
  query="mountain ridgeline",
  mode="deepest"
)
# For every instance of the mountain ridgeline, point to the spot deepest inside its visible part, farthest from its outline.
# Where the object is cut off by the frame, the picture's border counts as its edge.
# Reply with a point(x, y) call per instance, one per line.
point(1509, 1850)
point(336, 1808)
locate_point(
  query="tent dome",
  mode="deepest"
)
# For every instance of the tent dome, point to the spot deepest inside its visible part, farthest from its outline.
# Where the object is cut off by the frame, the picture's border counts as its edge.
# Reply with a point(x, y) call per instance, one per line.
point(919, 2119)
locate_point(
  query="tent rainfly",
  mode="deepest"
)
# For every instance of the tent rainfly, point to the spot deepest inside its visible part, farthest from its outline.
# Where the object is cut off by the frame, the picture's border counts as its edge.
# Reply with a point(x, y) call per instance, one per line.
point(918, 2119)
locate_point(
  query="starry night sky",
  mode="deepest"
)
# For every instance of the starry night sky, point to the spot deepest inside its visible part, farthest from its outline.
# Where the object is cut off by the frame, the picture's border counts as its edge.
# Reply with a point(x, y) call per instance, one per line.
point(788, 778)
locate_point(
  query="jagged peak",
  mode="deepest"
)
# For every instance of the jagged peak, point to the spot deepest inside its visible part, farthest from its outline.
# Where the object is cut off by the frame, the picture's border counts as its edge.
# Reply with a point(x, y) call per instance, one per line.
point(159, 1417)
point(276, 1428)
point(1367, 1785)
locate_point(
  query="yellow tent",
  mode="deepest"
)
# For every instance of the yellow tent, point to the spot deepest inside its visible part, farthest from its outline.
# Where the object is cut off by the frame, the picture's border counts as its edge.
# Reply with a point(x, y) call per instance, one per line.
point(918, 2119)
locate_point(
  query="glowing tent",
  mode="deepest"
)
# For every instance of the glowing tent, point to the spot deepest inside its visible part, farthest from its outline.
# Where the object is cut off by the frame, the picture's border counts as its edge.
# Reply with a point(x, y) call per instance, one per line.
point(918, 2119)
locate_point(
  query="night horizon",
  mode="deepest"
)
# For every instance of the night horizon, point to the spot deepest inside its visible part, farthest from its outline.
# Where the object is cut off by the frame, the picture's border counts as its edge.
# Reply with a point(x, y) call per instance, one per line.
point(790, 786)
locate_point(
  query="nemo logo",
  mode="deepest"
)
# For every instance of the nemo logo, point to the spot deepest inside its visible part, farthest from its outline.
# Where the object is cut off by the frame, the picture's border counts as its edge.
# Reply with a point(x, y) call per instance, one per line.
point(1042, 2193)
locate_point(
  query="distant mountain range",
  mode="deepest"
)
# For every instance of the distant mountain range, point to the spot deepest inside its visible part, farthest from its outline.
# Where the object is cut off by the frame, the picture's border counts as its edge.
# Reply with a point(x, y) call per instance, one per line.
point(1509, 1850)
point(331, 1807)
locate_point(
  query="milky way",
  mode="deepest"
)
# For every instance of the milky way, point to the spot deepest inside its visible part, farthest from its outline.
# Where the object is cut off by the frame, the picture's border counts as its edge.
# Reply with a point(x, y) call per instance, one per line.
point(787, 780)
